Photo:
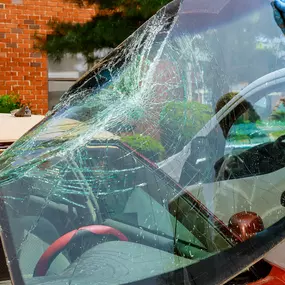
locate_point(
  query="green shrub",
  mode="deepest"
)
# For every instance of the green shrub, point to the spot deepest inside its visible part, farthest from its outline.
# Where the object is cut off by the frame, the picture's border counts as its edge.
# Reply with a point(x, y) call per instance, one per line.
point(9, 103)
point(238, 137)
point(146, 145)
point(180, 121)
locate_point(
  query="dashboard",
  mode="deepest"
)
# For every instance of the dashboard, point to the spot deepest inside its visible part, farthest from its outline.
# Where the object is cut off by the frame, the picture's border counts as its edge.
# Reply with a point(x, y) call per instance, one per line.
point(116, 262)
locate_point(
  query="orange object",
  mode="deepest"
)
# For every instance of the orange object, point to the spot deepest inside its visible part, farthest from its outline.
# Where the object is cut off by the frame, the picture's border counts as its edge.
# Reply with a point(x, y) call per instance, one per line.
point(276, 277)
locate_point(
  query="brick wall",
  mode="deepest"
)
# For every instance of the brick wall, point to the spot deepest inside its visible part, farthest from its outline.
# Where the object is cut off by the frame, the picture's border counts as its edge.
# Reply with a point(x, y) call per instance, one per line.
point(23, 70)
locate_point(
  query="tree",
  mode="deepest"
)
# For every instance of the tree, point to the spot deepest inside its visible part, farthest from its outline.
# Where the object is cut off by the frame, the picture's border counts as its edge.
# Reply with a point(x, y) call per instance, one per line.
point(114, 22)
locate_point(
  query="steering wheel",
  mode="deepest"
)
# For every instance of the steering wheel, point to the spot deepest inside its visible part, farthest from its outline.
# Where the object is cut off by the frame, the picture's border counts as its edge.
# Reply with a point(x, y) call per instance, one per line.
point(60, 244)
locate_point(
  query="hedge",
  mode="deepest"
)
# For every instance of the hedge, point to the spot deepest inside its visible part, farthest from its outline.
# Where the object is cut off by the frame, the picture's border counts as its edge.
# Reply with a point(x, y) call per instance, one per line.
point(146, 145)
point(9, 103)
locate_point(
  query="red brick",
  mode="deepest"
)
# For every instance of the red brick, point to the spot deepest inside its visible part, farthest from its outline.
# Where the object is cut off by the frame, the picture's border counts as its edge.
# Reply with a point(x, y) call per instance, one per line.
point(29, 97)
point(35, 64)
point(16, 31)
point(29, 22)
point(36, 55)
point(6, 78)
point(11, 45)
point(24, 70)
point(12, 36)
point(34, 27)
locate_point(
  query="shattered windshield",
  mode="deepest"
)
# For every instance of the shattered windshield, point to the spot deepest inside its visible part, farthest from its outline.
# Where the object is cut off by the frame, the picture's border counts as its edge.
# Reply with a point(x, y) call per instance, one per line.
point(167, 153)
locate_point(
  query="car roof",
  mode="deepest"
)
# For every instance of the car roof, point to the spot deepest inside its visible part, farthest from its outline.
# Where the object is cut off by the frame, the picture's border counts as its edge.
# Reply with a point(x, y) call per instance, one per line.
point(15, 127)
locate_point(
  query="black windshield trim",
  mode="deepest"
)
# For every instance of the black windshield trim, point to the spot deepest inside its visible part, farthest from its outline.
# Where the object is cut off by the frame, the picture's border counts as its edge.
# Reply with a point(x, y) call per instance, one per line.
point(224, 266)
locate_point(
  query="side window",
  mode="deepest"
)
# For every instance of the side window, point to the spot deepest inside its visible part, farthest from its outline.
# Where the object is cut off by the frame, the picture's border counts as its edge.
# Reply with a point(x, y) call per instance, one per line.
point(251, 143)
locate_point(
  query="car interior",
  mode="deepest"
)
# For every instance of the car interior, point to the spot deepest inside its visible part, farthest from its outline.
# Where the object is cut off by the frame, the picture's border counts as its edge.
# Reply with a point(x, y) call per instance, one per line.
point(108, 187)
point(103, 184)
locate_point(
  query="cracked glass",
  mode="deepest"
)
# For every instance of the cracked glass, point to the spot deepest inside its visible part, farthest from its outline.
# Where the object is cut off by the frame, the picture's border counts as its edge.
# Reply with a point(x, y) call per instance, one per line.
point(165, 161)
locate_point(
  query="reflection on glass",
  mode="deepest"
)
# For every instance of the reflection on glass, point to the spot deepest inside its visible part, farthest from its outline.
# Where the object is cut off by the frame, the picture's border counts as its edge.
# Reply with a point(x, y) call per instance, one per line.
point(169, 152)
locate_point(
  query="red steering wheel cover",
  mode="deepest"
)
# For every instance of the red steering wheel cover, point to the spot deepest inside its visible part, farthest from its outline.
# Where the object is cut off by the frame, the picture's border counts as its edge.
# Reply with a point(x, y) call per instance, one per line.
point(56, 247)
